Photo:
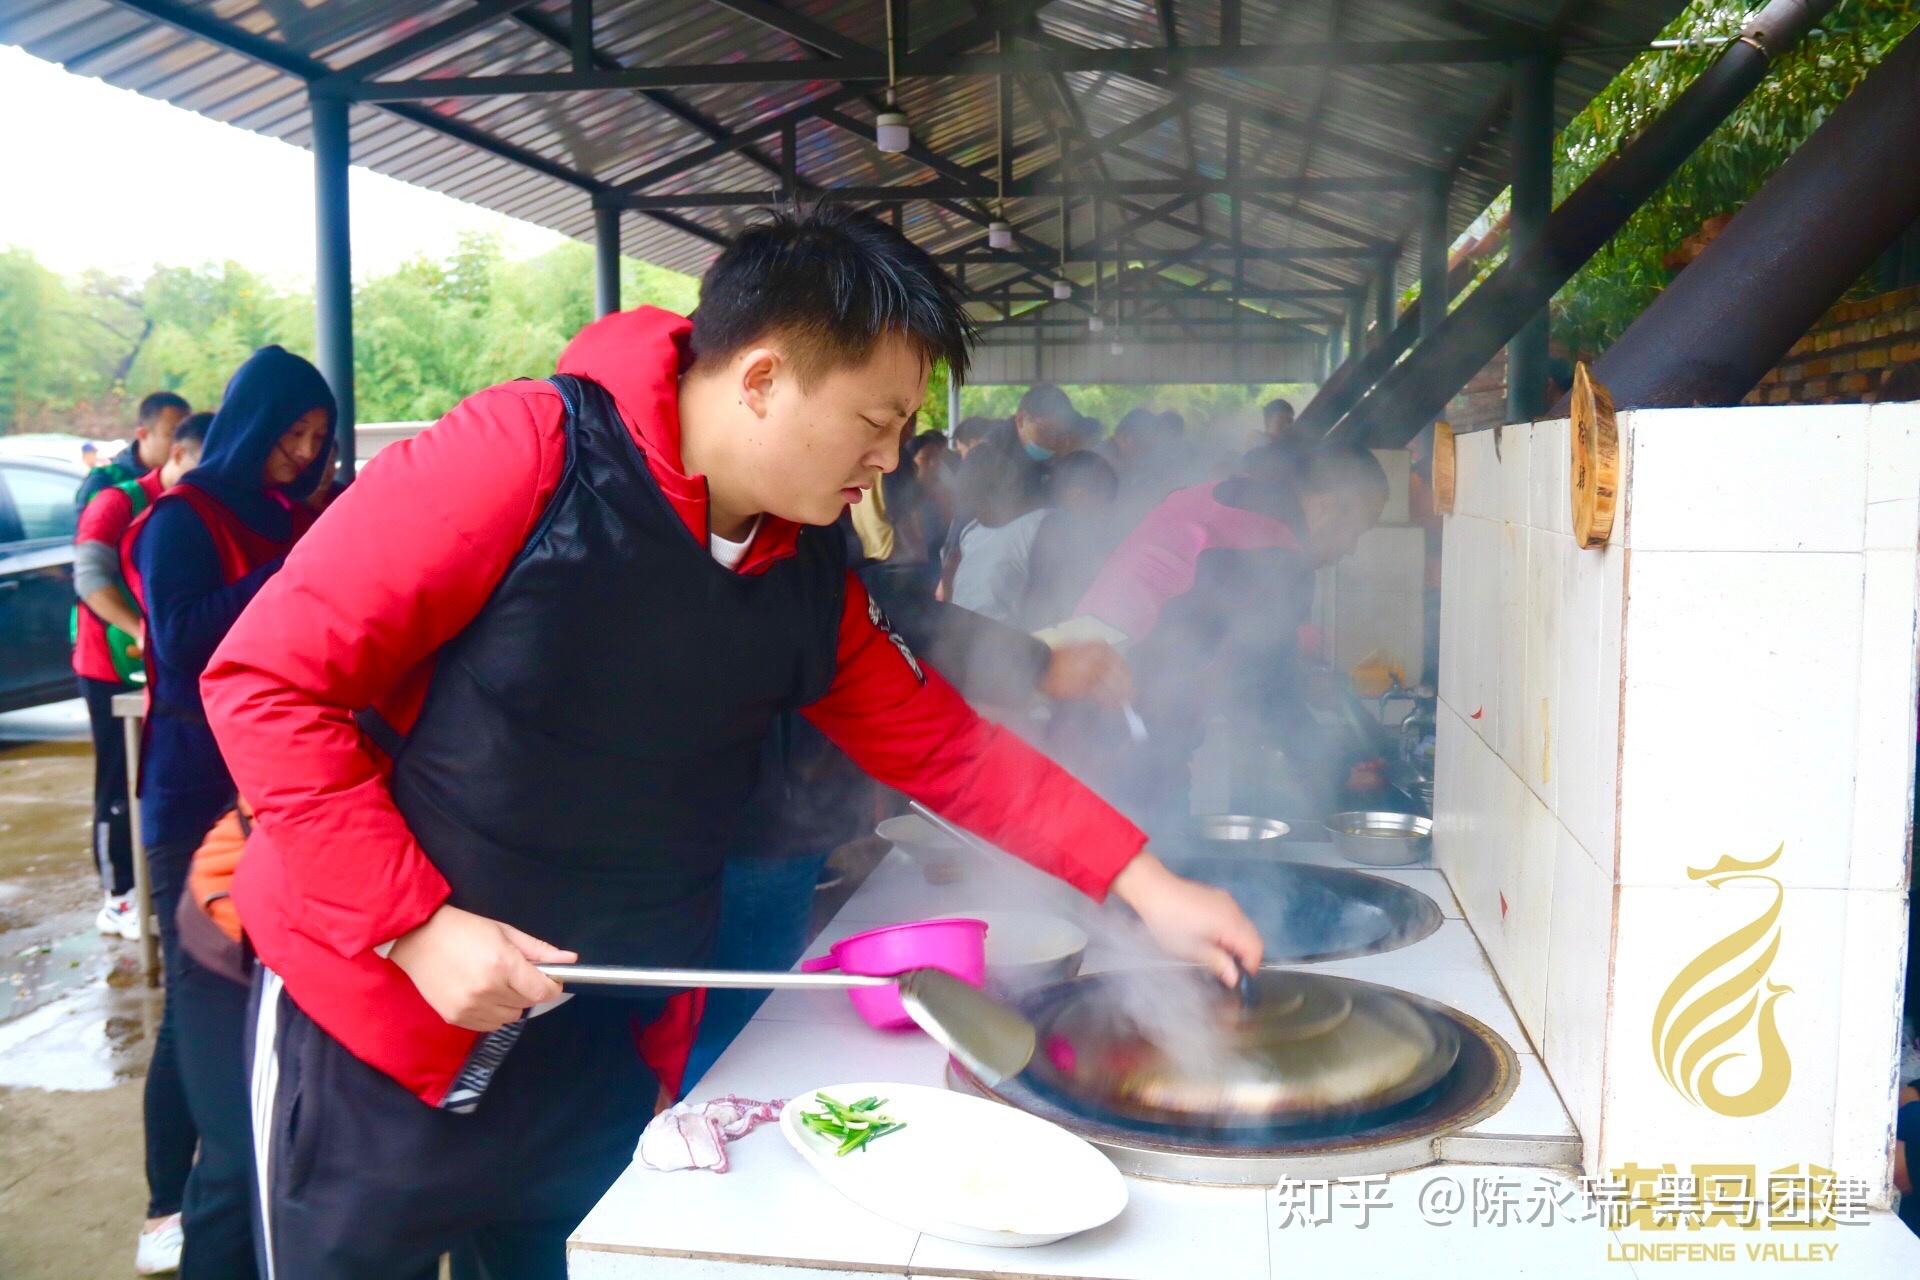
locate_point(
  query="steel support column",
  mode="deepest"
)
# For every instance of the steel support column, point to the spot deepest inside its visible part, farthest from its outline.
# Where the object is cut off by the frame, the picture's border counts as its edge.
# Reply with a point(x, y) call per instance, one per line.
point(1385, 304)
point(1530, 143)
point(333, 266)
point(1433, 258)
point(606, 259)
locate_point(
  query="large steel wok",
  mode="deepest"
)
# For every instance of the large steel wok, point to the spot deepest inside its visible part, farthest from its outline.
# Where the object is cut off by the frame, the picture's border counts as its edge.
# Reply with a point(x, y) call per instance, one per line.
point(1308, 1050)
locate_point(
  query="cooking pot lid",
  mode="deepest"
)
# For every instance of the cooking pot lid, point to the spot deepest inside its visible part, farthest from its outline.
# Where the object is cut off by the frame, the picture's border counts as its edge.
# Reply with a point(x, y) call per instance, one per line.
point(1170, 1047)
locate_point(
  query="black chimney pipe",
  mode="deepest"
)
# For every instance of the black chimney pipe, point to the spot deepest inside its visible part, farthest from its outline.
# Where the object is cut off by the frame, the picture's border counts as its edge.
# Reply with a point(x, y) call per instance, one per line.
point(1362, 369)
point(1833, 207)
point(1416, 391)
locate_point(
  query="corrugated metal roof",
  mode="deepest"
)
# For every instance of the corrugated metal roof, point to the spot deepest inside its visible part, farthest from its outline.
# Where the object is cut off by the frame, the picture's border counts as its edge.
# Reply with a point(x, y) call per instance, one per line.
point(1304, 122)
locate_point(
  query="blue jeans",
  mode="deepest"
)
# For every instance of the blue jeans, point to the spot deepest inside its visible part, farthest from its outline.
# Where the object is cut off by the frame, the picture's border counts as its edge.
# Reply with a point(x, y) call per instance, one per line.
point(765, 904)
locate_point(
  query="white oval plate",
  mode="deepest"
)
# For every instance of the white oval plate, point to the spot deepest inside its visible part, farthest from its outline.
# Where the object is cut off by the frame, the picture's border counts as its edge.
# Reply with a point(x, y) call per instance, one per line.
point(965, 1169)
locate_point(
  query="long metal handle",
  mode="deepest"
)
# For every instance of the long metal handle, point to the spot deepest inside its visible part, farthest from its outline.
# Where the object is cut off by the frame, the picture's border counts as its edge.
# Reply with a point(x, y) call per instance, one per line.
point(611, 975)
point(961, 834)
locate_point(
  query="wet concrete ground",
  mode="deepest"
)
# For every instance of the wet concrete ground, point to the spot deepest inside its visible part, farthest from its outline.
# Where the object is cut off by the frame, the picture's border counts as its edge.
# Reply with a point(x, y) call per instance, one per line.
point(76, 1026)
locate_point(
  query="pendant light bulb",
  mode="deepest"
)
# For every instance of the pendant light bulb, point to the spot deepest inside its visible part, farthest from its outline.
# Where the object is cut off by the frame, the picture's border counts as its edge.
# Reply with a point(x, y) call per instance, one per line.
point(999, 234)
point(891, 131)
point(1062, 291)
point(1095, 324)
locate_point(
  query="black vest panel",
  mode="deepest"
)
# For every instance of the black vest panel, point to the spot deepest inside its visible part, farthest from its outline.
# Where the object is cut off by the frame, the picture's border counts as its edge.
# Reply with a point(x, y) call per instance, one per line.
point(589, 741)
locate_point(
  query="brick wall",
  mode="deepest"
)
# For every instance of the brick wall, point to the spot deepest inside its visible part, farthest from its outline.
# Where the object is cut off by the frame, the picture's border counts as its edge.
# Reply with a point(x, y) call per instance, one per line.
point(1845, 357)
point(1842, 360)
point(1482, 402)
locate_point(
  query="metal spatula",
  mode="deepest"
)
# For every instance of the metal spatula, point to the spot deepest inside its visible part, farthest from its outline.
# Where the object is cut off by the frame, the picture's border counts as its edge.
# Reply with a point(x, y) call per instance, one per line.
point(990, 1040)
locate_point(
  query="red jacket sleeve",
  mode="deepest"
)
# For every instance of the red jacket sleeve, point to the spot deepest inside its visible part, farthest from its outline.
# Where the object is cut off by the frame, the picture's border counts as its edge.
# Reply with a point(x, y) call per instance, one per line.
point(105, 519)
point(398, 565)
point(919, 736)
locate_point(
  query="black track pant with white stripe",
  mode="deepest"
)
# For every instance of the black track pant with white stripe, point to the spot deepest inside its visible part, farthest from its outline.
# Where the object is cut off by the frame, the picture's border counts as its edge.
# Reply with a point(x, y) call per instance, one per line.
point(358, 1178)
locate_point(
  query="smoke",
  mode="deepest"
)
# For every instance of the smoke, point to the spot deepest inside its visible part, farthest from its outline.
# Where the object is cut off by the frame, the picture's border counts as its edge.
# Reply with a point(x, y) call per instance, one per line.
point(1212, 651)
point(1175, 1007)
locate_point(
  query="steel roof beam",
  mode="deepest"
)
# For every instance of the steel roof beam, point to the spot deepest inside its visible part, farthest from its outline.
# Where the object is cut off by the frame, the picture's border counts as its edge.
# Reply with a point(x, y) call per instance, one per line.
point(917, 151)
point(1029, 320)
point(1024, 188)
point(568, 37)
point(872, 67)
point(1004, 333)
point(1186, 293)
point(203, 26)
point(1089, 147)
point(425, 41)
point(799, 28)
point(1197, 253)
point(959, 38)
point(1181, 86)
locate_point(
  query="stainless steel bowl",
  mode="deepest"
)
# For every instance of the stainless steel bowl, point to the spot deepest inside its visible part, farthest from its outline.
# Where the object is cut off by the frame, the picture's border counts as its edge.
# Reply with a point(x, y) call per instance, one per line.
point(1381, 839)
point(941, 858)
point(1235, 835)
point(1028, 949)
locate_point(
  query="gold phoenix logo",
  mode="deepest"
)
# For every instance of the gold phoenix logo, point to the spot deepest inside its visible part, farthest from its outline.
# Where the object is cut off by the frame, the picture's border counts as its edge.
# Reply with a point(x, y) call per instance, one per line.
point(1700, 1015)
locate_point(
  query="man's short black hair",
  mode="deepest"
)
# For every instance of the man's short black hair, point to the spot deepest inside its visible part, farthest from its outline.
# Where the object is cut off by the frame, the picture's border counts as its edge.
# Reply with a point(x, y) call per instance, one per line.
point(1141, 423)
point(999, 483)
point(976, 430)
point(1049, 403)
point(1277, 406)
point(193, 429)
point(1086, 472)
point(832, 282)
point(159, 402)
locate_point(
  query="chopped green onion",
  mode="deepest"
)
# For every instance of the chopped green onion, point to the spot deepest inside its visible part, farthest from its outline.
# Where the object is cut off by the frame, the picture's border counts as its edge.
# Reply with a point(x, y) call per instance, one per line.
point(853, 1126)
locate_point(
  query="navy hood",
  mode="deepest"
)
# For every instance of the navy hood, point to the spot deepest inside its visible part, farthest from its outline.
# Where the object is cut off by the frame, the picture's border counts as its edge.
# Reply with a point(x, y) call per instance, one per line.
point(266, 395)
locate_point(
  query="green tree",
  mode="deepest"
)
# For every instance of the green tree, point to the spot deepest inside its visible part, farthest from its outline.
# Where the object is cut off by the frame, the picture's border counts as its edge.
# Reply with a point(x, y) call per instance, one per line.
point(1788, 105)
point(43, 351)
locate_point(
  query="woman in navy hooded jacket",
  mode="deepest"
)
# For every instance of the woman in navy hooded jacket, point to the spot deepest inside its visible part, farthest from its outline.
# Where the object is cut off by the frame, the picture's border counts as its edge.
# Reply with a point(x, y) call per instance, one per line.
point(195, 558)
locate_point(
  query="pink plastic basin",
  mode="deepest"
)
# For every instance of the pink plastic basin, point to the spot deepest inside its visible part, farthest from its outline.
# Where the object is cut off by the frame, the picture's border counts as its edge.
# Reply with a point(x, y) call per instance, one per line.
point(955, 946)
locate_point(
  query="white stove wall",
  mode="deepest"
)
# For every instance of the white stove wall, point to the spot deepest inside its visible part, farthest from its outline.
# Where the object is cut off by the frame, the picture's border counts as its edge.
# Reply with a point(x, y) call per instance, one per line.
point(1370, 604)
point(1734, 672)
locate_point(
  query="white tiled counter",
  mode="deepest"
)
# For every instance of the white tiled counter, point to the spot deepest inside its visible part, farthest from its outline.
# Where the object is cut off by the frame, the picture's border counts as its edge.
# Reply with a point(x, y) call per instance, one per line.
point(1646, 748)
point(771, 1216)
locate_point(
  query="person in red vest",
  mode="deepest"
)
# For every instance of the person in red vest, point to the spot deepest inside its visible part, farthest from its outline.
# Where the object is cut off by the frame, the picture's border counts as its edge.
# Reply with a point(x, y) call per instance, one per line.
point(505, 706)
point(106, 661)
point(1209, 593)
point(193, 560)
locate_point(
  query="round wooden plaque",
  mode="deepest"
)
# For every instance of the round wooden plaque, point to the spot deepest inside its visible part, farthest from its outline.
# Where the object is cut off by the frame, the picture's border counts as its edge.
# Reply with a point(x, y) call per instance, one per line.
point(1443, 469)
point(1595, 471)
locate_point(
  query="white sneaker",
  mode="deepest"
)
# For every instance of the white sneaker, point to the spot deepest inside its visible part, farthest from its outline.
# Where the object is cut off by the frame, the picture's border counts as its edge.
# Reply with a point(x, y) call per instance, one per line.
point(119, 917)
point(159, 1248)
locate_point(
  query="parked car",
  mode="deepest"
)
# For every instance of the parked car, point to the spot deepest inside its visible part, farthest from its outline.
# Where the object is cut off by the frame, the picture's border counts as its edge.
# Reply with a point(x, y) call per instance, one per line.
point(55, 446)
point(36, 579)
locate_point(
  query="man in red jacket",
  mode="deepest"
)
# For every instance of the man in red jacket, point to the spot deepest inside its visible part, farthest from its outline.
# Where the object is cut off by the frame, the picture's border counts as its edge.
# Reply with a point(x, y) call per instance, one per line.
point(503, 705)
